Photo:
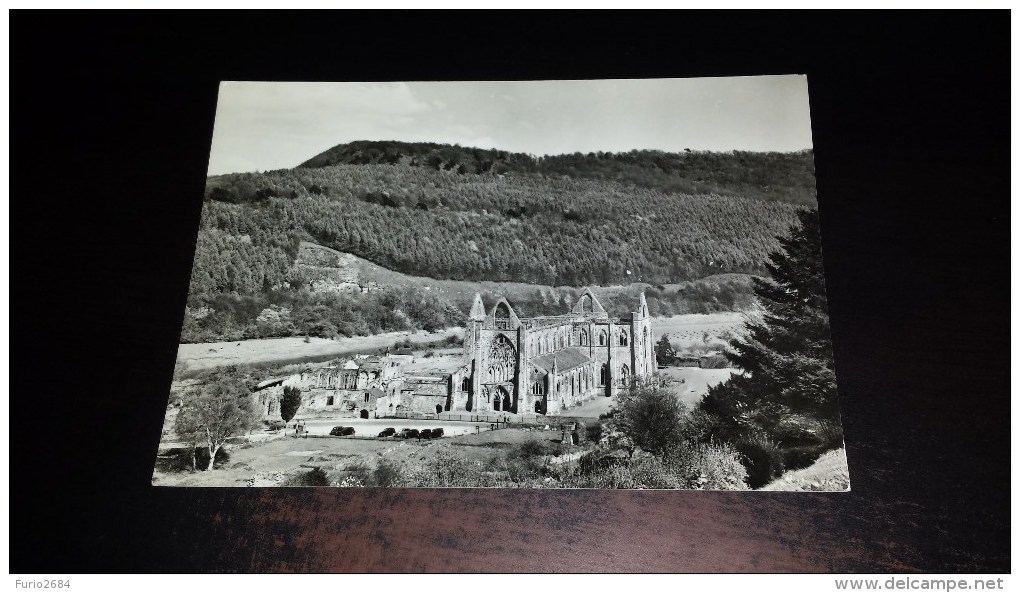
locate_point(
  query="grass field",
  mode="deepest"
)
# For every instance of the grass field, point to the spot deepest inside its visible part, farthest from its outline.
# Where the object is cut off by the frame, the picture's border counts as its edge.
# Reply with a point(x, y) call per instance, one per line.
point(692, 383)
point(275, 460)
point(196, 357)
point(686, 331)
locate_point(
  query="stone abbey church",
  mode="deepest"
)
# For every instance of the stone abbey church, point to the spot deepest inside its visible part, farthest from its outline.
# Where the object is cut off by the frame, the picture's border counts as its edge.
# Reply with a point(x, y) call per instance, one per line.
point(540, 365)
point(543, 365)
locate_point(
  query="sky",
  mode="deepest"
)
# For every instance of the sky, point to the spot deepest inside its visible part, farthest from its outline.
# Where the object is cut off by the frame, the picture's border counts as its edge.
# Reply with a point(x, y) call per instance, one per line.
point(262, 126)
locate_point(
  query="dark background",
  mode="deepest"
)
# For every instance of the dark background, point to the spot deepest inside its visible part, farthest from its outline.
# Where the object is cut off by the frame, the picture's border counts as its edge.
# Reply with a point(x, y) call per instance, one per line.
point(112, 115)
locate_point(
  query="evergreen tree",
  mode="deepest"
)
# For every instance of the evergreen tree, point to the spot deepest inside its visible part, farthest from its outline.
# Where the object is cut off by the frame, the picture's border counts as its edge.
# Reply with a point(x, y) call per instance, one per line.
point(663, 351)
point(786, 351)
point(290, 403)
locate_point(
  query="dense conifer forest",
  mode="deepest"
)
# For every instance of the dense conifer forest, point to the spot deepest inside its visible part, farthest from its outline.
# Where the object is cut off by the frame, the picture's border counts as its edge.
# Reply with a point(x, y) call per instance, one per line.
point(787, 177)
point(455, 213)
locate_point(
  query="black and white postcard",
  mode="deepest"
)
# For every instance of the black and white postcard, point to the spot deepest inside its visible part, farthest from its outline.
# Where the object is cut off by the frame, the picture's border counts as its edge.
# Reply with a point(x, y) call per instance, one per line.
point(541, 284)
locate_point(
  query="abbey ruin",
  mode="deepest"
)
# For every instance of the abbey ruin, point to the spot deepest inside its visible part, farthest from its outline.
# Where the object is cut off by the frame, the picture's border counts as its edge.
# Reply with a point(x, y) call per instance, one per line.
point(509, 365)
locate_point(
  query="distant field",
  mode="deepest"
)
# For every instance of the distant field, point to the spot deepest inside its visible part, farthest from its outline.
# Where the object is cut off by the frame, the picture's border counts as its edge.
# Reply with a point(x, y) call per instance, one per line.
point(292, 350)
point(689, 330)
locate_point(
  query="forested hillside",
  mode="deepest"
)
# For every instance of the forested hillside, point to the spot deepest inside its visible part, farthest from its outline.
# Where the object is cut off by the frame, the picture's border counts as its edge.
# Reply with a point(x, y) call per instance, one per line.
point(474, 227)
point(787, 177)
point(563, 224)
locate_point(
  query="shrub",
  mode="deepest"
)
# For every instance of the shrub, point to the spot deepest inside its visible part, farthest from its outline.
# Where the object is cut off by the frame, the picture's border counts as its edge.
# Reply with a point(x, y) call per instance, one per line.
point(831, 434)
point(651, 414)
point(613, 476)
point(709, 466)
point(445, 469)
point(702, 426)
point(598, 462)
point(801, 457)
point(651, 472)
point(387, 474)
point(523, 471)
point(762, 458)
point(532, 448)
point(312, 477)
point(274, 424)
point(360, 473)
point(715, 362)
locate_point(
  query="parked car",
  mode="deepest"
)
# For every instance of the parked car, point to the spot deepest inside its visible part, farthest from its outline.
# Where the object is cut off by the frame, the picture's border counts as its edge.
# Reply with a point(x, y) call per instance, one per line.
point(437, 432)
point(409, 433)
point(388, 432)
point(425, 434)
point(342, 431)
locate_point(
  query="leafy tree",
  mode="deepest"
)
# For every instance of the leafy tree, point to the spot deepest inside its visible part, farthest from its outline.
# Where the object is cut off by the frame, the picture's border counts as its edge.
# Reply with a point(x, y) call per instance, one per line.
point(663, 351)
point(188, 427)
point(652, 416)
point(290, 403)
point(786, 351)
point(221, 409)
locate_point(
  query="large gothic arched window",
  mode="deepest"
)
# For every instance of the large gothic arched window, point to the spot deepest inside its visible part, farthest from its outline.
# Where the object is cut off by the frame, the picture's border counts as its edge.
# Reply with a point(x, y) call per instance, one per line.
point(502, 359)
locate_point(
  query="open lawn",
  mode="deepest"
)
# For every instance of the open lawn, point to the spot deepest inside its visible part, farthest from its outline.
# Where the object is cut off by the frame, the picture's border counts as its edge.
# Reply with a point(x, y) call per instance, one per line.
point(692, 382)
point(272, 462)
point(285, 456)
